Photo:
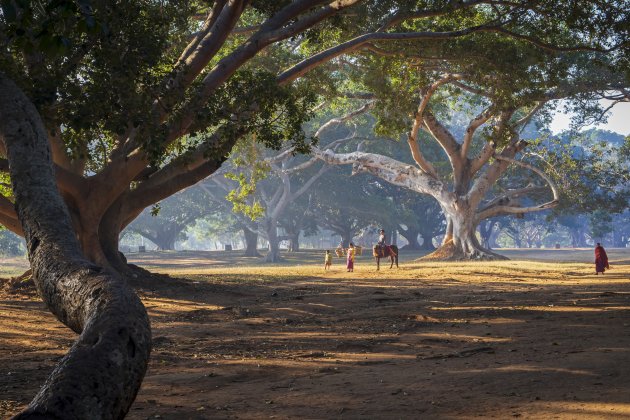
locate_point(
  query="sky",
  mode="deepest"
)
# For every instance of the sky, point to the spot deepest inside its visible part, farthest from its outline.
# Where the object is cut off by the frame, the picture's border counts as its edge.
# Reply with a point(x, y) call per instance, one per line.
point(618, 120)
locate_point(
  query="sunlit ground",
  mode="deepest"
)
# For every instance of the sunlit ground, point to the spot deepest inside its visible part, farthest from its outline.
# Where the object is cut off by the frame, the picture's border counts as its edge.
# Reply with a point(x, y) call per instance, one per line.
point(539, 336)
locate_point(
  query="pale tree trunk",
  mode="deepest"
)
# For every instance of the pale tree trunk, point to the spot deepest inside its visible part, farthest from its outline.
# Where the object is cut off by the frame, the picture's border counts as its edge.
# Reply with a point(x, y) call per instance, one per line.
point(462, 242)
point(251, 242)
point(101, 374)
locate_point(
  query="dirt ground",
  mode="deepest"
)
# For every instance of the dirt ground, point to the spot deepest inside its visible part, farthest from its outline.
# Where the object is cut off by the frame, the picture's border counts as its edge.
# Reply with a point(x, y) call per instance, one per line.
point(530, 338)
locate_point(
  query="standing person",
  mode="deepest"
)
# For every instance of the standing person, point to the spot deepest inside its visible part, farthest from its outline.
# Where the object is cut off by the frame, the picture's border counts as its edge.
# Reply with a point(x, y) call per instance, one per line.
point(601, 259)
point(350, 260)
point(327, 260)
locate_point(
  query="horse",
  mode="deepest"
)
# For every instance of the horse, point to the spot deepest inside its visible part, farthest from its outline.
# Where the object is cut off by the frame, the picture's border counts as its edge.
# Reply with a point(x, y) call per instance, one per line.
point(390, 251)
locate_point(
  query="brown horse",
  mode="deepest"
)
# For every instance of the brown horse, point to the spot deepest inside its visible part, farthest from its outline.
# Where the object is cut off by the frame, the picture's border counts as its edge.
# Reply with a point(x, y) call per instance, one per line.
point(390, 251)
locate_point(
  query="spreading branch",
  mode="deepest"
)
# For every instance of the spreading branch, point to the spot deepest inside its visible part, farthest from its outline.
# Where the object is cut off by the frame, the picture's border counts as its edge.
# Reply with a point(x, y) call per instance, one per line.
point(388, 169)
point(507, 209)
point(477, 122)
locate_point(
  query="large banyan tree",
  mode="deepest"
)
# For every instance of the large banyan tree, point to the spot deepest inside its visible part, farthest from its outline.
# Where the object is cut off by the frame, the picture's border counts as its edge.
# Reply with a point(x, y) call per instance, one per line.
point(465, 178)
point(128, 102)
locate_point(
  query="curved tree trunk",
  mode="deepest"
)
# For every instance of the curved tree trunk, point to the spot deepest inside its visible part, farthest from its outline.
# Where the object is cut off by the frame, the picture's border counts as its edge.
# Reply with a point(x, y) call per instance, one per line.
point(251, 243)
point(102, 372)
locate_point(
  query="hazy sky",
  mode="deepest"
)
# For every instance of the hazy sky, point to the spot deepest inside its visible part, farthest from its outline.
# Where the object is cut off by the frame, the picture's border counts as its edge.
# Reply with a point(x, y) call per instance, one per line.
point(618, 121)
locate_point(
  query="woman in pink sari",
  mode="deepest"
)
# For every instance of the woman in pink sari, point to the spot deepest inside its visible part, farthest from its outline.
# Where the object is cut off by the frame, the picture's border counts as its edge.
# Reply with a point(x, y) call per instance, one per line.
point(601, 259)
point(350, 260)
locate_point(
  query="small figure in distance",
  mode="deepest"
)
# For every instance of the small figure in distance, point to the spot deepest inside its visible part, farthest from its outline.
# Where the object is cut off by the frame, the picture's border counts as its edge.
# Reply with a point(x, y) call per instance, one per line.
point(350, 260)
point(601, 259)
point(327, 260)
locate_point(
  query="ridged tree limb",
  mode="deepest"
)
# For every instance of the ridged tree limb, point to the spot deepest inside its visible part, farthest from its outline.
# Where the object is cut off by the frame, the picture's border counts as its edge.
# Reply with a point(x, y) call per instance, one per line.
point(101, 374)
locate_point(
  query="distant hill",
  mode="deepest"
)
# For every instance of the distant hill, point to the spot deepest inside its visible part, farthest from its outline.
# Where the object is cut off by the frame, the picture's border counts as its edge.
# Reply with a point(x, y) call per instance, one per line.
point(596, 135)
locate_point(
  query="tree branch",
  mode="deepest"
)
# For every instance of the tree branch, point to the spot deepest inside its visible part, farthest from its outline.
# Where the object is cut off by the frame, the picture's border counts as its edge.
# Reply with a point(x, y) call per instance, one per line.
point(472, 127)
point(489, 148)
point(388, 169)
point(443, 137)
point(506, 209)
point(494, 171)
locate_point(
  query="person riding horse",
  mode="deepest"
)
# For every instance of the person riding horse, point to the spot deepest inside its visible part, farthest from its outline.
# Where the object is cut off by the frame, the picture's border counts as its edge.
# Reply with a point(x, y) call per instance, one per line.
point(381, 241)
point(382, 250)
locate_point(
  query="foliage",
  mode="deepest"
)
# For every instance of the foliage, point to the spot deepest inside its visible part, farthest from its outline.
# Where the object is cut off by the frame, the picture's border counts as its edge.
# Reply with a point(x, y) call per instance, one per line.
point(247, 167)
point(600, 223)
point(590, 169)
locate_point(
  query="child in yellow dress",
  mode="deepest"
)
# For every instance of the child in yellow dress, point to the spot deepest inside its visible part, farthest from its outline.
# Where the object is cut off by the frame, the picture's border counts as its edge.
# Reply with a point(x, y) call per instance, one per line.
point(327, 260)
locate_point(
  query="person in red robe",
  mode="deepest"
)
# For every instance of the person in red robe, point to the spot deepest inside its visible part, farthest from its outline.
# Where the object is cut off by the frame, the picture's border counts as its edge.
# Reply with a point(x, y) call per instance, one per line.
point(601, 259)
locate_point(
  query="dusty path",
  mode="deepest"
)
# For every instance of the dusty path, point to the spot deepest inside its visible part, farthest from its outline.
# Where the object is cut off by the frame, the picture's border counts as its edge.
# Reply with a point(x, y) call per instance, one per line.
point(529, 340)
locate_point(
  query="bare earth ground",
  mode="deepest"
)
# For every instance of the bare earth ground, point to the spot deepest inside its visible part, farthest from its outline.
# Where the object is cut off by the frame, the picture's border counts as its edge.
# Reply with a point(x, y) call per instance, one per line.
point(531, 338)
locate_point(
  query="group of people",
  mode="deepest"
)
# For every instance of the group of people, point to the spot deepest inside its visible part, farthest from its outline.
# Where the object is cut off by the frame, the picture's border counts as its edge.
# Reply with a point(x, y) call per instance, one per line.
point(351, 252)
point(601, 258)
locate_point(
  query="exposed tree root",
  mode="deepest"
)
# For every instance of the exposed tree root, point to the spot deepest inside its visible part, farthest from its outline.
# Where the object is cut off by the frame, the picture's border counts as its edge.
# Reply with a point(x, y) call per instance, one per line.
point(20, 285)
point(450, 252)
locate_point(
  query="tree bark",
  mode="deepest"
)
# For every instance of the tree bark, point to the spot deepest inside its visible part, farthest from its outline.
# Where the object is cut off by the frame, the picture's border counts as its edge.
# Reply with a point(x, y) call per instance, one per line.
point(427, 243)
point(411, 235)
point(273, 255)
point(294, 242)
point(346, 238)
point(251, 242)
point(486, 229)
point(462, 243)
point(101, 374)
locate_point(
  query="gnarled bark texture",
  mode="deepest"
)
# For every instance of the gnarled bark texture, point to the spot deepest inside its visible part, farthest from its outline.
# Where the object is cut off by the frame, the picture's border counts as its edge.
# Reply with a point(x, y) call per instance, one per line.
point(101, 374)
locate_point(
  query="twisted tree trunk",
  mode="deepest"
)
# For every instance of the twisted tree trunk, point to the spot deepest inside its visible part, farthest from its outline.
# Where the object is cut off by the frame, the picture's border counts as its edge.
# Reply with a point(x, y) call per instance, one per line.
point(101, 374)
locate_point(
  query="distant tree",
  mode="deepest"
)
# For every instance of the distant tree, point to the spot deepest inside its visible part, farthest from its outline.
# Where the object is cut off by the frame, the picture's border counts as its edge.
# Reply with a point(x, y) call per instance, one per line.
point(298, 218)
point(164, 224)
point(621, 229)
point(577, 227)
point(600, 222)
point(342, 203)
point(11, 245)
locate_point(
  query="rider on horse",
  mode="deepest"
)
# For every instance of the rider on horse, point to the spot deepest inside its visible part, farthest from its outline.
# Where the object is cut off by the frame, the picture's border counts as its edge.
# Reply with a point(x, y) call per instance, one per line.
point(381, 241)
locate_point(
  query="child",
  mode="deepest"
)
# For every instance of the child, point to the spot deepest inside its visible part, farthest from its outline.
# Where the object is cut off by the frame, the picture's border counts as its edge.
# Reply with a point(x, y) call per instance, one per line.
point(327, 260)
point(350, 261)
